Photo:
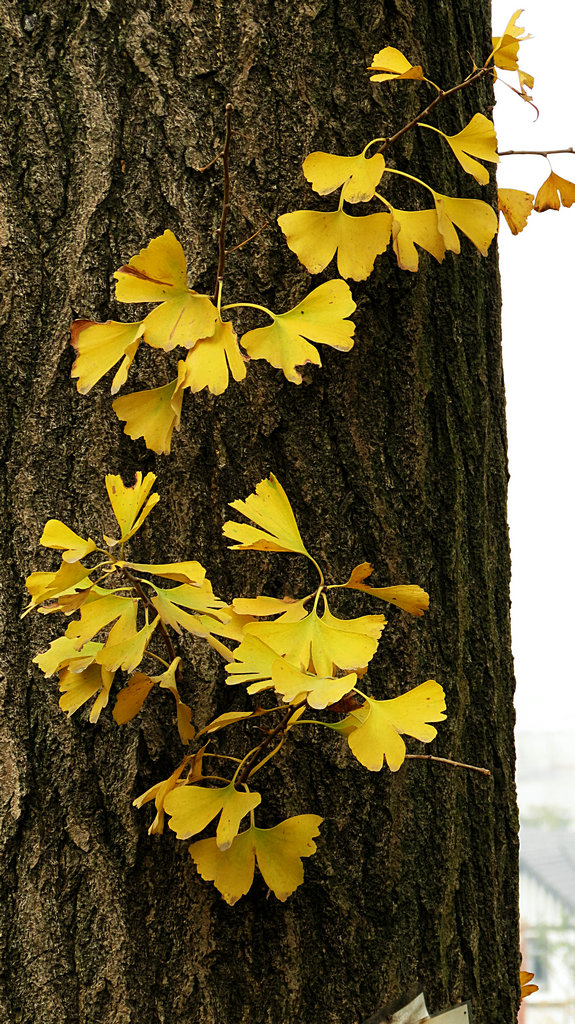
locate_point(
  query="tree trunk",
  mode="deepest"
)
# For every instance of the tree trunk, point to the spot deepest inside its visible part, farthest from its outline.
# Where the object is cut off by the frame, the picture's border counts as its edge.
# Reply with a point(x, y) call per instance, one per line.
point(394, 454)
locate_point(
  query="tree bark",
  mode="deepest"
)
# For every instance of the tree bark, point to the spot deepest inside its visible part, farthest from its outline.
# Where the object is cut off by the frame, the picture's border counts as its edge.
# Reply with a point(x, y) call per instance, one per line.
point(394, 454)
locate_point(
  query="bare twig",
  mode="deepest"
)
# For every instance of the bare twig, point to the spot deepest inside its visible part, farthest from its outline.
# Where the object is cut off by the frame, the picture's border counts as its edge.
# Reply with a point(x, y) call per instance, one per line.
point(445, 760)
point(246, 240)
point(535, 152)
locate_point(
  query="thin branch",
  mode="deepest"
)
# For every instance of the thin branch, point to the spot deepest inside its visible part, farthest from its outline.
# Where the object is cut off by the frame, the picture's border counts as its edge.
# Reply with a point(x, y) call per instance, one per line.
point(218, 156)
point(246, 240)
point(535, 152)
point(135, 583)
point(254, 757)
point(442, 95)
point(445, 760)
point(226, 205)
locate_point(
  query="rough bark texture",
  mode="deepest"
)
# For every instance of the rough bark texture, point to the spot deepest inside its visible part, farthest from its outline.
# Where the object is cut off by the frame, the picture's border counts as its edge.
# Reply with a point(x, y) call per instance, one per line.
point(394, 454)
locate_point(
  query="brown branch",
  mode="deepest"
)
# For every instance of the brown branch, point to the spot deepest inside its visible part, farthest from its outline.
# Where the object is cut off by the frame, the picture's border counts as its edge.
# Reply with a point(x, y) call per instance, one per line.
point(246, 240)
point(135, 583)
point(445, 760)
point(442, 95)
point(226, 206)
point(255, 756)
point(535, 152)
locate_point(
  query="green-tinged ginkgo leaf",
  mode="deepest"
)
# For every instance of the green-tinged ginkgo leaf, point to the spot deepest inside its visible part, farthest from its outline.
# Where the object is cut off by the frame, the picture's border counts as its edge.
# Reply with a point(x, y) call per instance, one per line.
point(78, 688)
point(152, 415)
point(94, 615)
point(160, 790)
point(127, 502)
point(294, 685)
point(390, 64)
point(360, 175)
point(322, 644)
point(62, 653)
point(278, 851)
point(156, 274)
point(206, 365)
point(45, 586)
point(376, 728)
point(410, 598)
point(269, 507)
point(554, 192)
point(126, 645)
point(181, 572)
point(60, 537)
point(506, 47)
point(475, 218)
point(99, 347)
point(417, 227)
point(192, 808)
point(477, 139)
point(315, 237)
point(515, 207)
point(320, 317)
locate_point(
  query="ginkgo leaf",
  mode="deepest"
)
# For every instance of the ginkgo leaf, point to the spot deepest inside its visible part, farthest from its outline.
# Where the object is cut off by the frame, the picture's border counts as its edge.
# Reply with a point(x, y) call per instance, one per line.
point(182, 572)
point(99, 347)
point(264, 605)
point(183, 320)
point(506, 47)
point(206, 365)
point(126, 646)
point(294, 685)
point(475, 218)
point(360, 175)
point(526, 989)
point(416, 227)
point(62, 653)
point(167, 681)
point(515, 207)
point(526, 81)
point(127, 503)
point(320, 317)
point(45, 586)
point(477, 139)
point(94, 615)
point(554, 192)
point(269, 507)
point(155, 274)
point(222, 721)
point(152, 415)
point(252, 665)
point(167, 604)
point(60, 537)
point(377, 727)
point(409, 597)
point(193, 807)
point(78, 688)
point(315, 237)
point(278, 851)
point(130, 699)
point(159, 792)
point(390, 64)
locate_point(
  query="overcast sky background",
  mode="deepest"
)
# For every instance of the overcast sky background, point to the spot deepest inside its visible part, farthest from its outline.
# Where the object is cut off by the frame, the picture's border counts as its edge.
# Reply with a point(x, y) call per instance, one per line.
point(538, 280)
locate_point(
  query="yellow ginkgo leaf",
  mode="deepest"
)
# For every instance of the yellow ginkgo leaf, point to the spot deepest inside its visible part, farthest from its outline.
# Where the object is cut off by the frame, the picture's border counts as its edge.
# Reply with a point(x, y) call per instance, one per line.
point(222, 721)
point(152, 415)
point(417, 227)
point(99, 347)
point(182, 572)
point(269, 507)
point(410, 598)
point(294, 685)
point(94, 615)
point(63, 654)
point(554, 192)
point(206, 365)
point(60, 537)
point(320, 317)
point(193, 807)
point(515, 207)
point(506, 47)
point(253, 665)
point(160, 790)
point(278, 851)
point(156, 274)
point(127, 503)
point(78, 688)
point(126, 646)
point(390, 64)
point(264, 605)
point(360, 175)
point(167, 681)
point(475, 218)
point(46, 586)
point(315, 237)
point(377, 727)
point(526, 989)
point(183, 320)
point(477, 139)
point(170, 605)
point(131, 698)
point(526, 82)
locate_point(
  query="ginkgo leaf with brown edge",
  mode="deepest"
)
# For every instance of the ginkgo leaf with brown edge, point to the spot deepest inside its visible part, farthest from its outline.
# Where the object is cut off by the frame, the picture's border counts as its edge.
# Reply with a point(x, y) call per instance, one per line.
point(516, 206)
point(99, 347)
point(278, 852)
point(390, 64)
point(376, 729)
point(209, 363)
point(152, 415)
point(192, 808)
point(360, 175)
point(268, 506)
point(320, 317)
point(554, 192)
point(315, 238)
point(409, 597)
point(59, 537)
point(130, 504)
point(477, 141)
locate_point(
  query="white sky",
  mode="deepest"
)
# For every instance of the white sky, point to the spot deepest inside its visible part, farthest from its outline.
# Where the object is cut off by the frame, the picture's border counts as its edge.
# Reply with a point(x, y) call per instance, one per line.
point(538, 277)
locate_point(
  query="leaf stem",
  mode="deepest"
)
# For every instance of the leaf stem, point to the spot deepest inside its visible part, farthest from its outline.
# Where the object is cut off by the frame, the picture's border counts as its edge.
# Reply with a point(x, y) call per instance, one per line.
point(249, 305)
point(226, 206)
